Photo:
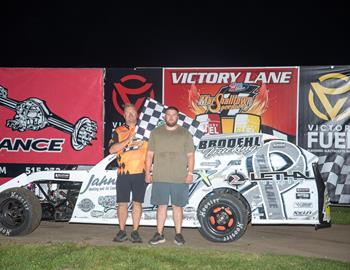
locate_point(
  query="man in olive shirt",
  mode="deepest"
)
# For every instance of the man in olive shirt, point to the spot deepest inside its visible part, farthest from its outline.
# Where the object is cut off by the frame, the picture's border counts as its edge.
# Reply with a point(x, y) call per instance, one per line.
point(172, 151)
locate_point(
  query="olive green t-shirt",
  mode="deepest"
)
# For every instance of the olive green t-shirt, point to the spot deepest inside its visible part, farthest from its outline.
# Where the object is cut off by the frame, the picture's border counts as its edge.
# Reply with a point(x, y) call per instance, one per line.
point(170, 149)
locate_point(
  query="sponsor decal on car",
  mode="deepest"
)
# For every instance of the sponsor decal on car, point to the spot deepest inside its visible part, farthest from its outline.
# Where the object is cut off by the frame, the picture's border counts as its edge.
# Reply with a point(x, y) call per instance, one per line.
point(96, 183)
point(303, 205)
point(86, 205)
point(228, 146)
point(61, 175)
point(302, 213)
point(303, 190)
point(302, 195)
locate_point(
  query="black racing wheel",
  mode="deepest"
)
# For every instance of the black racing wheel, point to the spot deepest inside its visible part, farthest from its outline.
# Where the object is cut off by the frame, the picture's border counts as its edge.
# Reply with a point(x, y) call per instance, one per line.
point(223, 217)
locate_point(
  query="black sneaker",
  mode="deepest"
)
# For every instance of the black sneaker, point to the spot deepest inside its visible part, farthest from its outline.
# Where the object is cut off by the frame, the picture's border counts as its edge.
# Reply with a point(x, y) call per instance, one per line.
point(120, 237)
point(135, 237)
point(157, 239)
point(179, 239)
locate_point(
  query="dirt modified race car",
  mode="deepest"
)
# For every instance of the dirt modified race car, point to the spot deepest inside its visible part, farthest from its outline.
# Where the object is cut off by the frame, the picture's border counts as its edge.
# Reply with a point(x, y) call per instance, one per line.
point(238, 178)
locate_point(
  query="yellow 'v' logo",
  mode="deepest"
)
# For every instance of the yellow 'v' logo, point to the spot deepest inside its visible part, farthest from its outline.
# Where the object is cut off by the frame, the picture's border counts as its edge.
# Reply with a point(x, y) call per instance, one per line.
point(322, 92)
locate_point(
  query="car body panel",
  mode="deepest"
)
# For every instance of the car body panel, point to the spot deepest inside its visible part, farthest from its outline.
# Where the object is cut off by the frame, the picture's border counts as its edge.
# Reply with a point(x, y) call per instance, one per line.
point(275, 178)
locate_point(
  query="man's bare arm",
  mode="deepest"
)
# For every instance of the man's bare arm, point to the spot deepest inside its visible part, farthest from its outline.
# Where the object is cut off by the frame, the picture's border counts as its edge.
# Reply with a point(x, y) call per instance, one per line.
point(190, 167)
point(116, 147)
point(148, 166)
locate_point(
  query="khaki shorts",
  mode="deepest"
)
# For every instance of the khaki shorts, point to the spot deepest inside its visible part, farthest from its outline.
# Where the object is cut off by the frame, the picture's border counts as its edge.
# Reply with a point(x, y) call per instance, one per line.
point(176, 192)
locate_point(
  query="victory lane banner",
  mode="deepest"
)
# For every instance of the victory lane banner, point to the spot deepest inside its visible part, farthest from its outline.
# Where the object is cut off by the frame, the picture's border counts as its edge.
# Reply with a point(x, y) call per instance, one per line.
point(50, 118)
point(232, 100)
point(324, 124)
point(124, 86)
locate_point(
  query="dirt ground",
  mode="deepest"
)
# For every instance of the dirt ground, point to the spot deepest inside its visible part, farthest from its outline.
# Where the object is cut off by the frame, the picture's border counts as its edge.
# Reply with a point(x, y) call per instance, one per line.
point(330, 243)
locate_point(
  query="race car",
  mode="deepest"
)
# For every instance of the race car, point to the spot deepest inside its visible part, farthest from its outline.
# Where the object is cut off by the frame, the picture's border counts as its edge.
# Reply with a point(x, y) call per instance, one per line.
point(238, 178)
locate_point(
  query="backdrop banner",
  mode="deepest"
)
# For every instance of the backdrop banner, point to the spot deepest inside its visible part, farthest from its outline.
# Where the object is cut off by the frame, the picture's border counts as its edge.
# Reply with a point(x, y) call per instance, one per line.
point(227, 100)
point(60, 118)
point(51, 118)
point(128, 86)
point(324, 124)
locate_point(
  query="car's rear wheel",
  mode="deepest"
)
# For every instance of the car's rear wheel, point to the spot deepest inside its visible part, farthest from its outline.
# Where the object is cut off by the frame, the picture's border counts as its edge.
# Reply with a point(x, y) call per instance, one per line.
point(20, 212)
point(223, 217)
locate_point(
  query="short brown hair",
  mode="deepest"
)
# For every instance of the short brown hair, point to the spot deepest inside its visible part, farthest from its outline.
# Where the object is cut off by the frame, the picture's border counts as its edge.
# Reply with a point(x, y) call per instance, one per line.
point(129, 105)
point(171, 108)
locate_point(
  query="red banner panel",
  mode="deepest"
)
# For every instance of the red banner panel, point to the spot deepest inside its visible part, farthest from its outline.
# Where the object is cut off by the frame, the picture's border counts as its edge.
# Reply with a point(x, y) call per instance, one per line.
point(230, 100)
point(49, 117)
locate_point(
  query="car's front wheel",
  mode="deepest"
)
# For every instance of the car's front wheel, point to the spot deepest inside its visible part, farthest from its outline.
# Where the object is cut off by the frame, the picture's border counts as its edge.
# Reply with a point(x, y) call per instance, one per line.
point(223, 217)
point(20, 212)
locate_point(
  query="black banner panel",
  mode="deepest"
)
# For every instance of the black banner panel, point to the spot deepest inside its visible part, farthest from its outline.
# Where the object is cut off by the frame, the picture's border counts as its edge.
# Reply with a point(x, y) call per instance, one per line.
point(124, 86)
point(324, 124)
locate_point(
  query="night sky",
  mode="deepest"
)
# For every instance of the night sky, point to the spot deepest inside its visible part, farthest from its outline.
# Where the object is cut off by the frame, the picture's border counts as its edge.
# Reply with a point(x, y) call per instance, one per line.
point(175, 34)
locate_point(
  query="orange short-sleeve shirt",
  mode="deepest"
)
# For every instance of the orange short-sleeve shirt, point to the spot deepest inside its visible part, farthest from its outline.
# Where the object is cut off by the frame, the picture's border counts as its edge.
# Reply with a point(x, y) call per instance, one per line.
point(131, 160)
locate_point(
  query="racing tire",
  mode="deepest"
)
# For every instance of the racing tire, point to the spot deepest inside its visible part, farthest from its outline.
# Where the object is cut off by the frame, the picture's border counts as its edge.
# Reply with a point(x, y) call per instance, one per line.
point(20, 212)
point(223, 217)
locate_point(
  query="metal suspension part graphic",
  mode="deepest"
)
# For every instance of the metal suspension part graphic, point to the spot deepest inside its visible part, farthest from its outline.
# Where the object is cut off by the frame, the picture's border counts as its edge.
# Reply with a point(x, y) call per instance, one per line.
point(33, 114)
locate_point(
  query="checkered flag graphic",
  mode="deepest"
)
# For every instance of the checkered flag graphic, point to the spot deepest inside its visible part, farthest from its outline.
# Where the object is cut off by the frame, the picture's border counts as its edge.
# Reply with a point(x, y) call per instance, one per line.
point(279, 134)
point(152, 115)
point(335, 171)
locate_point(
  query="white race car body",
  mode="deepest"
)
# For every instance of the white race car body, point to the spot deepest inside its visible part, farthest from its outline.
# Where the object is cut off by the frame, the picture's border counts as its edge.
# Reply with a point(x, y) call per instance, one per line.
point(275, 178)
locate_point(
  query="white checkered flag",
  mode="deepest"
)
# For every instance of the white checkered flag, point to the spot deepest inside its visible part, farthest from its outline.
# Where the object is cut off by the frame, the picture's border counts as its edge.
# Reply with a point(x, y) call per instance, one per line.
point(152, 115)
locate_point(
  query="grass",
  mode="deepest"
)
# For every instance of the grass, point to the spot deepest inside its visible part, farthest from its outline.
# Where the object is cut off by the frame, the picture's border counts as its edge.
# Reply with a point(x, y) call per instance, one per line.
point(340, 215)
point(73, 256)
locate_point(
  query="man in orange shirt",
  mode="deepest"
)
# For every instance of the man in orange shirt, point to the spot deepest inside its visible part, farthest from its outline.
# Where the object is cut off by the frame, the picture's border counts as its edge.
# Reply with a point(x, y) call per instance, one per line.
point(131, 154)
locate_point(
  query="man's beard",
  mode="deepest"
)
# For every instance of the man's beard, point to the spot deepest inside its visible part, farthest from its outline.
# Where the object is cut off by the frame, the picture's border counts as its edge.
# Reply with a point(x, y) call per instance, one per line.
point(171, 124)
